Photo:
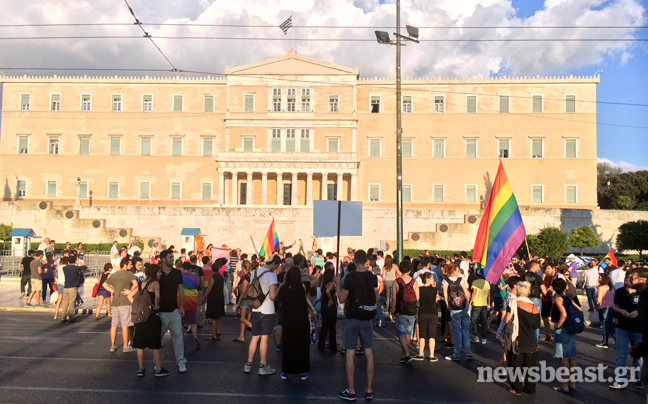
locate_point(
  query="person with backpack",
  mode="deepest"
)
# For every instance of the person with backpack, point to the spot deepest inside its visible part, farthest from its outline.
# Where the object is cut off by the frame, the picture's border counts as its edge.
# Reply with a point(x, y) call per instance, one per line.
point(405, 296)
point(122, 280)
point(455, 290)
point(261, 294)
point(428, 315)
point(480, 302)
point(148, 333)
point(565, 342)
point(361, 292)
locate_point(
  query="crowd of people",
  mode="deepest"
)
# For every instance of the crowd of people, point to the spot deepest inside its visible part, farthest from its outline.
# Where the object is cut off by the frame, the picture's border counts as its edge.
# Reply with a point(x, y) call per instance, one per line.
point(434, 302)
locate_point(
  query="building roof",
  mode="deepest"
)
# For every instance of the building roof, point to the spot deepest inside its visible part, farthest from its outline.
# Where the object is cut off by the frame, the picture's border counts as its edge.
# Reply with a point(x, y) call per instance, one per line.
point(190, 231)
point(291, 64)
point(22, 233)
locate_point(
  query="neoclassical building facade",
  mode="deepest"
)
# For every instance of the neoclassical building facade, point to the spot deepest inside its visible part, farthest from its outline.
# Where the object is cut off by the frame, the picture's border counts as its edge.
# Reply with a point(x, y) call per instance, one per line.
point(291, 130)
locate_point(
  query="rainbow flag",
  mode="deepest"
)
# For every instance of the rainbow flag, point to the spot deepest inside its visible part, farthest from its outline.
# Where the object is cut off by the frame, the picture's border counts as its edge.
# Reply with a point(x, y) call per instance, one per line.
point(271, 242)
point(190, 284)
point(501, 230)
point(611, 256)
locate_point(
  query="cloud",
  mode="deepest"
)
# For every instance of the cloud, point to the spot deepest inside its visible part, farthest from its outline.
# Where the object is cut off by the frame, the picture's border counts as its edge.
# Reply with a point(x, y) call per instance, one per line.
point(427, 59)
point(623, 165)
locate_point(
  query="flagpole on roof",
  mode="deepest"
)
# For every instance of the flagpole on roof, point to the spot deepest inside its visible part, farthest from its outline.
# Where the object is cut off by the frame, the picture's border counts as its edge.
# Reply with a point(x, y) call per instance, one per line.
point(293, 31)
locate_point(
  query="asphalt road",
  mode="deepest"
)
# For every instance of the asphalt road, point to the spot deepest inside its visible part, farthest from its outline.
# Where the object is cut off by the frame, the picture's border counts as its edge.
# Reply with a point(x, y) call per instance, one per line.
point(45, 361)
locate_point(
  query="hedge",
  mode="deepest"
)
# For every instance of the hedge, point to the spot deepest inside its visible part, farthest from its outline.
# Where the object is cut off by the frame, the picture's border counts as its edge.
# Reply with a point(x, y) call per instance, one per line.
point(88, 247)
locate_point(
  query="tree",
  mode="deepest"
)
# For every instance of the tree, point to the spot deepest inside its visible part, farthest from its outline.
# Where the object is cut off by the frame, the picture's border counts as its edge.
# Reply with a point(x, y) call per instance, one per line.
point(633, 236)
point(584, 237)
point(5, 230)
point(550, 241)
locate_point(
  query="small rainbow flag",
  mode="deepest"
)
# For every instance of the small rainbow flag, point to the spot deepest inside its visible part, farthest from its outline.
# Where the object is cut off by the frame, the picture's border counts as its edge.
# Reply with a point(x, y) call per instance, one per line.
point(271, 242)
point(190, 284)
point(611, 256)
point(501, 230)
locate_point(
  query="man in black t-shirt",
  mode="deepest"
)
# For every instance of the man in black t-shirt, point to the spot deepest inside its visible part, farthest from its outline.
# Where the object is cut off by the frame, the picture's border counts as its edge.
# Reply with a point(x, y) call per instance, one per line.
point(628, 330)
point(538, 289)
point(25, 273)
point(172, 292)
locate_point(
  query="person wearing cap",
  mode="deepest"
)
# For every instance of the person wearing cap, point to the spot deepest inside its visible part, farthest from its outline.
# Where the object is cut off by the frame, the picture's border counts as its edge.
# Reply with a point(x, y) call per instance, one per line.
point(573, 273)
point(262, 318)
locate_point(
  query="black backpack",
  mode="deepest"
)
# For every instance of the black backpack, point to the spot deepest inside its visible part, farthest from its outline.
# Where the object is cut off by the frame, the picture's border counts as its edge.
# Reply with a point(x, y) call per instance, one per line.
point(575, 322)
point(142, 306)
point(456, 295)
point(254, 295)
point(533, 280)
point(362, 299)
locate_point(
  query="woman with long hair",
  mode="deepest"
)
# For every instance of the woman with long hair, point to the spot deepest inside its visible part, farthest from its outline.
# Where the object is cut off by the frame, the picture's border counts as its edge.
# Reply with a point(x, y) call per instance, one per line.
point(428, 316)
point(605, 301)
point(390, 273)
point(103, 294)
point(60, 282)
point(328, 311)
point(215, 299)
point(241, 303)
point(528, 320)
point(565, 343)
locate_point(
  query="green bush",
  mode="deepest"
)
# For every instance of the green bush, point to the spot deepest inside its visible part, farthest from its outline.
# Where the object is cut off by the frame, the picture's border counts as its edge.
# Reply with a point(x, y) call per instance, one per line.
point(88, 247)
point(549, 241)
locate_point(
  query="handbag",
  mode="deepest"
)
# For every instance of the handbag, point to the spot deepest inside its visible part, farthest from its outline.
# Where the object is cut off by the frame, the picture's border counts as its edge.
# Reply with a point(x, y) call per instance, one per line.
point(226, 296)
point(318, 306)
point(95, 290)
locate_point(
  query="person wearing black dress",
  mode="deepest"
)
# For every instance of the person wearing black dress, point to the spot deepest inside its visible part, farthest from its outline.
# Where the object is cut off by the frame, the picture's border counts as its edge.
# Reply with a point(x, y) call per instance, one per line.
point(216, 299)
point(528, 317)
point(296, 323)
point(149, 333)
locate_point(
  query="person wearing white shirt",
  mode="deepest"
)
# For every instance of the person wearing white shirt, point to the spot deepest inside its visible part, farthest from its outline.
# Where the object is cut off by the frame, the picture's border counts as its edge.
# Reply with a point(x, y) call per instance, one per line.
point(44, 244)
point(590, 284)
point(464, 265)
point(380, 261)
point(132, 248)
point(617, 276)
point(114, 255)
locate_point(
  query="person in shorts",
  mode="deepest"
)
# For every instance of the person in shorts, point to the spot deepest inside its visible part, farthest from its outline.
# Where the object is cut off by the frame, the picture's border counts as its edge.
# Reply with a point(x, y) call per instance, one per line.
point(121, 284)
point(36, 269)
point(355, 328)
point(262, 318)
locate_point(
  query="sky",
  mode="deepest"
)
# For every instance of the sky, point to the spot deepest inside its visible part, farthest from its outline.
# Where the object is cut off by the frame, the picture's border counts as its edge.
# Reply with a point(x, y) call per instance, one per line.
point(622, 93)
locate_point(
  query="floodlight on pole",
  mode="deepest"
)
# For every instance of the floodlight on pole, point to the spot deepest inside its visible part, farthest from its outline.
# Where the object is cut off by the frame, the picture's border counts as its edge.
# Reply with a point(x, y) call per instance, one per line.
point(412, 31)
point(383, 37)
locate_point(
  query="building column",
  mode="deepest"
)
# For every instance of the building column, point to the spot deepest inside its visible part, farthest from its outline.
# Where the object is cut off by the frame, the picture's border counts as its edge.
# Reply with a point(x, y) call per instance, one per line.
point(279, 189)
point(309, 189)
point(234, 196)
point(354, 185)
point(293, 190)
point(340, 187)
point(264, 188)
point(324, 186)
point(221, 187)
point(249, 198)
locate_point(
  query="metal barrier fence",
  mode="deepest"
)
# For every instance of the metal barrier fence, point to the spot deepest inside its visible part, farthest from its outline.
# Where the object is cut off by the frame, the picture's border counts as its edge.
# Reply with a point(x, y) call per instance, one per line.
point(94, 260)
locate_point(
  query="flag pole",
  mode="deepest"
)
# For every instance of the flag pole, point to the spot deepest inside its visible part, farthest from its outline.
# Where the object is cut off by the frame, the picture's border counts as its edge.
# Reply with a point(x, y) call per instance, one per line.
point(254, 246)
point(293, 31)
point(527, 246)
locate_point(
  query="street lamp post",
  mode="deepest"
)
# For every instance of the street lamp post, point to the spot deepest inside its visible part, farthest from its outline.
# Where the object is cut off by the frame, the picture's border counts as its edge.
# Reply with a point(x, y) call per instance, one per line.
point(78, 192)
point(383, 38)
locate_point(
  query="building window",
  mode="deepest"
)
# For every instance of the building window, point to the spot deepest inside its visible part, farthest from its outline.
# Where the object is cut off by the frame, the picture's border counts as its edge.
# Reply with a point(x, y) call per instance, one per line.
point(290, 140)
point(407, 193)
point(287, 194)
point(276, 140)
point(249, 102)
point(206, 191)
point(571, 194)
point(25, 101)
point(55, 102)
point(176, 146)
point(207, 147)
point(537, 104)
point(439, 102)
point(438, 148)
point(51, 189)
point(333, 145)
point(570, 103)
point(83, 189)
point(145, 190)
point(537, 146)
point(276, 99)
point(331, 191)
point(208, 103)
point(374, 192)
point(407, 104)
point(503, 103)
point(116, 102)
point(176, 190)
point(178, 101)
point(471, 148)
point(147, 103)
point(333, 103)
point(248, 144)
point(54, 143)
point(471, 104)
point(407, 148)
point(375, 104)
point(291, 99)
point(304, 146)
point(113, 189)
point(21, 188)
point(86, 102)
point(115, 146)
point(305, 106)
point(570, 148)
point(536, 193)
point(374, 147)
point(437, 193)
point(84, 146)
point(23, 144)
point(146, 143)
point(504, 148)
point(471, 193)
point(243, 193)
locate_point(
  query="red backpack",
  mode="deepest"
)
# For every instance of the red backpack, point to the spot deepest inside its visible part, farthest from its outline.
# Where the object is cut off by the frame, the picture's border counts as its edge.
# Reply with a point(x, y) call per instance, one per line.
point(408, 303)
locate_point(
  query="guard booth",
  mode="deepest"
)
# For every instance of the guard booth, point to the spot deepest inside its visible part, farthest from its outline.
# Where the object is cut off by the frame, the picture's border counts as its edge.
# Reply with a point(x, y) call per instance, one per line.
point(189, 237)
point(20, 241)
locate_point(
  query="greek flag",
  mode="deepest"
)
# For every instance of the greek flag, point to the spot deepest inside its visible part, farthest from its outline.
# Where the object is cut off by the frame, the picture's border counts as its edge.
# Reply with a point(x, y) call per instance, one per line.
point(286, 25)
